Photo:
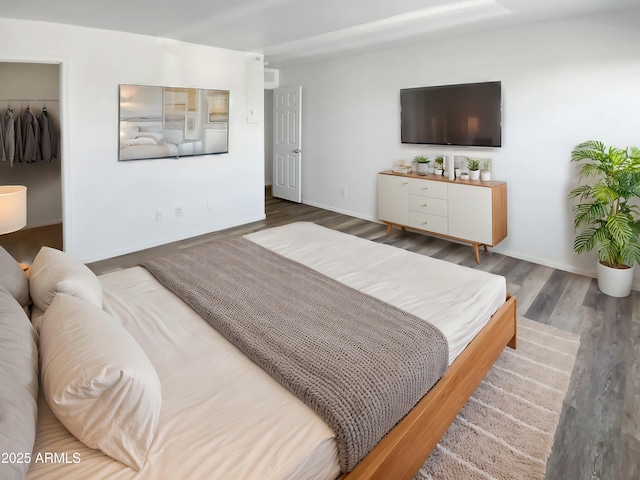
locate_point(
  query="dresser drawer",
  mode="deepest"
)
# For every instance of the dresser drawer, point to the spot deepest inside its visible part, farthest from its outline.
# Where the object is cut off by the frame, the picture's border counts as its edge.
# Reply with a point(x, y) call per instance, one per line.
point(430, 223)
point(434, 206)
point(428, 188)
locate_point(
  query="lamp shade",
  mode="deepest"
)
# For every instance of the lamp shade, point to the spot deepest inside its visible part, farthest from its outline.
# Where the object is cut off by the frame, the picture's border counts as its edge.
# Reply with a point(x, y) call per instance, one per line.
point(13, 208)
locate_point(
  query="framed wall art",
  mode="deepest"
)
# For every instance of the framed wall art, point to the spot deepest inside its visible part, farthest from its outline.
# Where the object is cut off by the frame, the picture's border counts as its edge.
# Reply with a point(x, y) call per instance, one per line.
point(172, 122)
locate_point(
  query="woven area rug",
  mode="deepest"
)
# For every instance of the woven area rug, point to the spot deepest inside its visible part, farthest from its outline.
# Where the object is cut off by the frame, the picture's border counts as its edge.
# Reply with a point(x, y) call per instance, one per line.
point(506, 429)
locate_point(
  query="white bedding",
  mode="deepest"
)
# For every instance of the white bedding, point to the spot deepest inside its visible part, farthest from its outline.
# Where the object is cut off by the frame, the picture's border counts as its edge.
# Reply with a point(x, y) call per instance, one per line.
point(458, 300)
point(224, 418)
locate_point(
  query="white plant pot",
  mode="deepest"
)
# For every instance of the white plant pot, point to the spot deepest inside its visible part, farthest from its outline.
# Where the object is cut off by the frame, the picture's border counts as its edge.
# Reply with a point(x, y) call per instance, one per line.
point(474, 174)
point(615, 282)
point(438, 171)
point(423, 168)
point(485, 175)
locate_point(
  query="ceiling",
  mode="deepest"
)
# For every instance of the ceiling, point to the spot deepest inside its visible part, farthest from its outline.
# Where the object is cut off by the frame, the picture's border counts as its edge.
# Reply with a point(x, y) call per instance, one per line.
point(288, 31)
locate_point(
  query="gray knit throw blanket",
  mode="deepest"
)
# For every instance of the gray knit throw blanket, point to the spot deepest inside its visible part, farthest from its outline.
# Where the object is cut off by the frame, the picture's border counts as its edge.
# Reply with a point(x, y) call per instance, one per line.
point(358, 362)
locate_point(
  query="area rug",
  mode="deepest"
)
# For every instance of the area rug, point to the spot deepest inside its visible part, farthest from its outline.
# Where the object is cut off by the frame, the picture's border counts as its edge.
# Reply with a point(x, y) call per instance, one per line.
point(506, 429)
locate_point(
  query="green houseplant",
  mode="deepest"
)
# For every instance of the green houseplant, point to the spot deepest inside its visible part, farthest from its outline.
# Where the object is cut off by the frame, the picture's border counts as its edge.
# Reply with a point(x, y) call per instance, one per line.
point(474, 168)
point(605, 216)
point(485, 170)
point(439, 163)
point(423, 164)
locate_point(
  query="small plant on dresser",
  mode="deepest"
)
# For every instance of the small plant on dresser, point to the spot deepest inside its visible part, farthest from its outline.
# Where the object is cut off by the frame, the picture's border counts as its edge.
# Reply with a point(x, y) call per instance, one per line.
point(474, 168)
point(423, 164)
point(485, 170)
point(439, 162)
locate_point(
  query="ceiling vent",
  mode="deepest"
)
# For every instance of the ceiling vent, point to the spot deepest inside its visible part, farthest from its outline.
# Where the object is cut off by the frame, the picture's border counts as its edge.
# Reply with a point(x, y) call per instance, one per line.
point(271, 78)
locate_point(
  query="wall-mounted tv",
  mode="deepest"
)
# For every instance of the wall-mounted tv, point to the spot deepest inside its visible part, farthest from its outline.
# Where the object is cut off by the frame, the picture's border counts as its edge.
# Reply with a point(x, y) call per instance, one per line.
point(467, 114)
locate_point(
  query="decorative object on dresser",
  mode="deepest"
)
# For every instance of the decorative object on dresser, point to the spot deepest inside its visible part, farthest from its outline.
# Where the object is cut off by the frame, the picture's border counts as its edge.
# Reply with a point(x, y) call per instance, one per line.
point(485, 170)
point(474, 168)
point(439, 165)
point(423, 164)
point(471, 212)
point(605, 216)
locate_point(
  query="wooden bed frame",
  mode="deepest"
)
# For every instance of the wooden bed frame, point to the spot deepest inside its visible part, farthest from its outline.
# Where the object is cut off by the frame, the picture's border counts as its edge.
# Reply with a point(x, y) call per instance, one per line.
point(401, 453)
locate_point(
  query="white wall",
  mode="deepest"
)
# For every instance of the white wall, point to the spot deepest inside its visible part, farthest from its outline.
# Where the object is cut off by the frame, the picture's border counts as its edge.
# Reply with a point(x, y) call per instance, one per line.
point(109, 207)
point(563, 82)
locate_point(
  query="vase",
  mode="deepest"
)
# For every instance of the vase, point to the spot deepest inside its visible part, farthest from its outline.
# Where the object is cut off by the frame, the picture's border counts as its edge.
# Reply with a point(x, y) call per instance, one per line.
point(423, 168)
point(485, 175)
point(615, 282)
point(474, 174)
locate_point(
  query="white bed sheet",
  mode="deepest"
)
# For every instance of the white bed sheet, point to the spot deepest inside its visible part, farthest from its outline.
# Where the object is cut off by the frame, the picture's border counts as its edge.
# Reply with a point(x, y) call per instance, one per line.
point(458, 300)
point(222, 416)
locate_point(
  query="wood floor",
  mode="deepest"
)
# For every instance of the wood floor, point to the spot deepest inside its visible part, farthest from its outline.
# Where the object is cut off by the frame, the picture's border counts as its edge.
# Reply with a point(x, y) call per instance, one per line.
point(599, 432)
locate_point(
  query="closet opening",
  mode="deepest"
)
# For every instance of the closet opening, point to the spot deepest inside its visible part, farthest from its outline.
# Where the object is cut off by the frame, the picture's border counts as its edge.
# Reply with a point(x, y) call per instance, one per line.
point(30, 99)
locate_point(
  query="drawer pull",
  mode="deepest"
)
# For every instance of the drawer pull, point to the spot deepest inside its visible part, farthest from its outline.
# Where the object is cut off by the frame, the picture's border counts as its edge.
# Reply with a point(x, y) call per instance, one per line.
point(424, 205)
point(424, 223)
point(405, 183)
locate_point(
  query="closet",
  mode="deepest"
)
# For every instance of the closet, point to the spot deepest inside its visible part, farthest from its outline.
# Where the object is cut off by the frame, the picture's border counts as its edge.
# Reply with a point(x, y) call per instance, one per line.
point(34, 86)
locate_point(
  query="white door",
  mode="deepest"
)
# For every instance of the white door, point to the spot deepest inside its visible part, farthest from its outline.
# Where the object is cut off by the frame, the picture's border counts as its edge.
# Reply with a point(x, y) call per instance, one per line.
point(287, 147)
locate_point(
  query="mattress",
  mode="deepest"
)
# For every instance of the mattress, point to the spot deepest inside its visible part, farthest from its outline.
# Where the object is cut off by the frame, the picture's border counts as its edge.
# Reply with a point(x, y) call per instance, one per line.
point(222, 416)
point(458, 300)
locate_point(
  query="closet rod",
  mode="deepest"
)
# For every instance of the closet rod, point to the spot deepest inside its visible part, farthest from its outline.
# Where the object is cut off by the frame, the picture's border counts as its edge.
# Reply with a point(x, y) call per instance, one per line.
point(30, 100)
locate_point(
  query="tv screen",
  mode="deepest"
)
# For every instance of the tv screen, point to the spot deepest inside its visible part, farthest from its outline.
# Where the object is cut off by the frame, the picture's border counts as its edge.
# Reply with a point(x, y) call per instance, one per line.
point(467, 115)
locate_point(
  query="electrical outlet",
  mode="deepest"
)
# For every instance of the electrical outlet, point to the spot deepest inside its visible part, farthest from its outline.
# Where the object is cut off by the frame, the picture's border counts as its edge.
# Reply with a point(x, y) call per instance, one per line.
point(159, 216)
point(178, 211)
point(343, 191)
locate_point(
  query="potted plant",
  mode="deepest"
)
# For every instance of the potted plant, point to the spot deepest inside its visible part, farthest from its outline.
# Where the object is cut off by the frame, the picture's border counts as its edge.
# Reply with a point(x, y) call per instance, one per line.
point(439, 161)
point(604, 217)
point(485, 170)
point(423, 164)
point(474, 168)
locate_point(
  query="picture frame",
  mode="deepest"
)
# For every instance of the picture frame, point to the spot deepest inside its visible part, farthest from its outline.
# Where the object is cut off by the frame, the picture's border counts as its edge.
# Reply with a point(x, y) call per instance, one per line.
point(191, 131)
point(158, 122)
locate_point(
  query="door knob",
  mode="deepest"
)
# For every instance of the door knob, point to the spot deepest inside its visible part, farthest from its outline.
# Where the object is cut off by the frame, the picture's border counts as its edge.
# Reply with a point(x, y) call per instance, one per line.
point(297, 150)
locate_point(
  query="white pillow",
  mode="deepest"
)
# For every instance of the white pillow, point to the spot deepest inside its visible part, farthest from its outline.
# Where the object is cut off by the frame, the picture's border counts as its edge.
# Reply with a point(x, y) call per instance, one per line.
point(54, 272)
point(129, 132)
point(98, 381)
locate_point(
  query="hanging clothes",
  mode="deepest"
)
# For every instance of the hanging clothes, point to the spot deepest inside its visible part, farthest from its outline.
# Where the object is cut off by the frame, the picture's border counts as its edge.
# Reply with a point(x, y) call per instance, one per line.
point(9, 135)
point(48, 137)
point(28, 136)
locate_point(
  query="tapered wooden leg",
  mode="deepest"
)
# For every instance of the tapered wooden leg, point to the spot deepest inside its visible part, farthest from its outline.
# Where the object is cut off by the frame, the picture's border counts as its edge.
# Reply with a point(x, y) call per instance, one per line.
point(388, 229)
point(476, 251)
point(486, 249)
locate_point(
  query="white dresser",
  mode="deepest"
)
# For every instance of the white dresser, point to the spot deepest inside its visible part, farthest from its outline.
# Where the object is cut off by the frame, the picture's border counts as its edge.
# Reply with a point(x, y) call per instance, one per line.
point(468, 210)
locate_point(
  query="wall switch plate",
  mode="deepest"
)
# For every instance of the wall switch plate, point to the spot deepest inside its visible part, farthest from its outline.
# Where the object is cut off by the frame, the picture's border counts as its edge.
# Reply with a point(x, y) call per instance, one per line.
point(343, 191)
point(159, 216)
point(178, 211)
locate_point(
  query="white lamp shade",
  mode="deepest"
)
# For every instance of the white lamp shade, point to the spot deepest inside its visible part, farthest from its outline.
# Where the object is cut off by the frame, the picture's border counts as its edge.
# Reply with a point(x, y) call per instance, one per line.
point(13, 208)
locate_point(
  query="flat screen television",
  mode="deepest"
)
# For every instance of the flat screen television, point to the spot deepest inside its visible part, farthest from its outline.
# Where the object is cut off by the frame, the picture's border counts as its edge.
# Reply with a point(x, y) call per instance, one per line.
point(468, 115)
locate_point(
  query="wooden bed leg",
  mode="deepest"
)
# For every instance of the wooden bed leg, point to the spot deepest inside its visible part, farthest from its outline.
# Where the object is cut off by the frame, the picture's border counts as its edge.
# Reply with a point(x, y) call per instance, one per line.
point(476, 251)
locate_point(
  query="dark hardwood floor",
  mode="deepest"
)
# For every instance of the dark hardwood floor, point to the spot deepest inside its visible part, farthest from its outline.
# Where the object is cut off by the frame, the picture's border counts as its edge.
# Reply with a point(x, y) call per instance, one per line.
point(599, 432)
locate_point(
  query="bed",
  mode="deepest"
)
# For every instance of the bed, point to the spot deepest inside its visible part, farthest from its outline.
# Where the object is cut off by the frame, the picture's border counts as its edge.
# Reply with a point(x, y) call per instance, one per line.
point(242, 423)
point(145, 142)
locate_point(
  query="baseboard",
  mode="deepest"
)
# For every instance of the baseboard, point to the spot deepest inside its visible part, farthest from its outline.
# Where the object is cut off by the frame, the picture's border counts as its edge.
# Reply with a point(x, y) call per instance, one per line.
point(340, 210)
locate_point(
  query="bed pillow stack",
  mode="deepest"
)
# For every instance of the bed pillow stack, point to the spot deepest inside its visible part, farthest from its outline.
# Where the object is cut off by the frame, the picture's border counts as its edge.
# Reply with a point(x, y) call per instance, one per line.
point(95, 377)
point(18, 371)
